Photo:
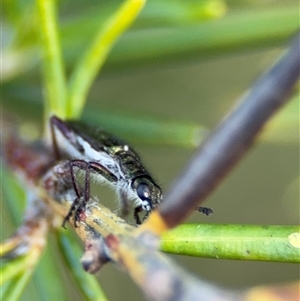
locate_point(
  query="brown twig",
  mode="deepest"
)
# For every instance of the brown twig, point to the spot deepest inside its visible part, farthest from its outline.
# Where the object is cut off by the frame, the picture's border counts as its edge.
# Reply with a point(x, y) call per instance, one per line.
point(227, 144)
point(110, 238)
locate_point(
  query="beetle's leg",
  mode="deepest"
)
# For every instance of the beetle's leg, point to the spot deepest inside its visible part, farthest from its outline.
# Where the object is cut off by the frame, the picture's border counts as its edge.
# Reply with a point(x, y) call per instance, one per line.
point(124, 203)
point(73, 209)
point(136, 214)
point(104, 172)
point(76, 203)
point(146, 215)
point(87, 167)
point(82, 165)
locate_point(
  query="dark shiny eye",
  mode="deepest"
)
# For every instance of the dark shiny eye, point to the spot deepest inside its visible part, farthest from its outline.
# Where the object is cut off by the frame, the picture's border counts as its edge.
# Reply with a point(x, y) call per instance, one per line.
point(143, 191)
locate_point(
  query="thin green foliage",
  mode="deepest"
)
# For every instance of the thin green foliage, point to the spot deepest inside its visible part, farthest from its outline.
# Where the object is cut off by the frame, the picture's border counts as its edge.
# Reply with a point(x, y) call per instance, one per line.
point(45, 276)
point(243, 242)
point(147, 130)
point(90, 63)
point(17, 267)
point(54, 71)
point(234, 33)
point(16, 286)
point(132, 127)
point(69, 103)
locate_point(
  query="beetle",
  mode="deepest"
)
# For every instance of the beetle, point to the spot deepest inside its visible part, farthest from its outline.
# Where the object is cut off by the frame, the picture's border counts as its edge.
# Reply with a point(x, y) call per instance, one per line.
point(107, 159)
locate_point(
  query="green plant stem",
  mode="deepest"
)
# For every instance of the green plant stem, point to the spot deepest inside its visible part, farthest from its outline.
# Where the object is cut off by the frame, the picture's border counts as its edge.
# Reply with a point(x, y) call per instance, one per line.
point(17, 267)
point(17, 286)
point(45, 276)
point(178, 12)
point(242, 30)
point(14, 196)
point(147, 130)
point(133, 127)
point(248, 29)
point(54, 72)
point(95, 56)
point(245, 242)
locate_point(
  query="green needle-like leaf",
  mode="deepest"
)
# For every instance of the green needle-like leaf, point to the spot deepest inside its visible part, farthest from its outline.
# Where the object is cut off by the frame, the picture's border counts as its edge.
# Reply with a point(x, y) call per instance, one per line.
point(54, 72)
point(13, 195)
point(133, 127)
point(16, 267)
point(248, 29)
point(45, 276)
point(146, 130)
point(178, 12)
point(95, 56)
point(151, 43)
point(16, 286)
point(247, 242)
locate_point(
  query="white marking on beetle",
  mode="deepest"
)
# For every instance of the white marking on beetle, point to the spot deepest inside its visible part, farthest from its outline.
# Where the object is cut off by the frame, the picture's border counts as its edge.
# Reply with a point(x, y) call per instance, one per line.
point(90, 154)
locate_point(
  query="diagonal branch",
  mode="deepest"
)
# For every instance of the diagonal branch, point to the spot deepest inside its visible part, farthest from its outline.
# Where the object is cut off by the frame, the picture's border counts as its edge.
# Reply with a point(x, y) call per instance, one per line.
point(110, 238)
point(227, 144)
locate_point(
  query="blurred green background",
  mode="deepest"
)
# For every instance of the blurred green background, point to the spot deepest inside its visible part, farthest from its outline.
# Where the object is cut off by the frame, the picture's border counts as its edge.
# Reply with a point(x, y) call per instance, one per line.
point(186, 81)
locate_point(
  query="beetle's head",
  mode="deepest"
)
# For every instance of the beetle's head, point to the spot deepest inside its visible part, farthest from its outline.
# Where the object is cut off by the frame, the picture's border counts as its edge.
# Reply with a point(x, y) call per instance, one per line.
point(148, 192)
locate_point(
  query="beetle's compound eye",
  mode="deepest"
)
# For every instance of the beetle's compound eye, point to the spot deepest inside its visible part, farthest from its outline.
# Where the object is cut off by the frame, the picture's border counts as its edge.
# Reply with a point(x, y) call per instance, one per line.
point(143, 188)
point(143, 191)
